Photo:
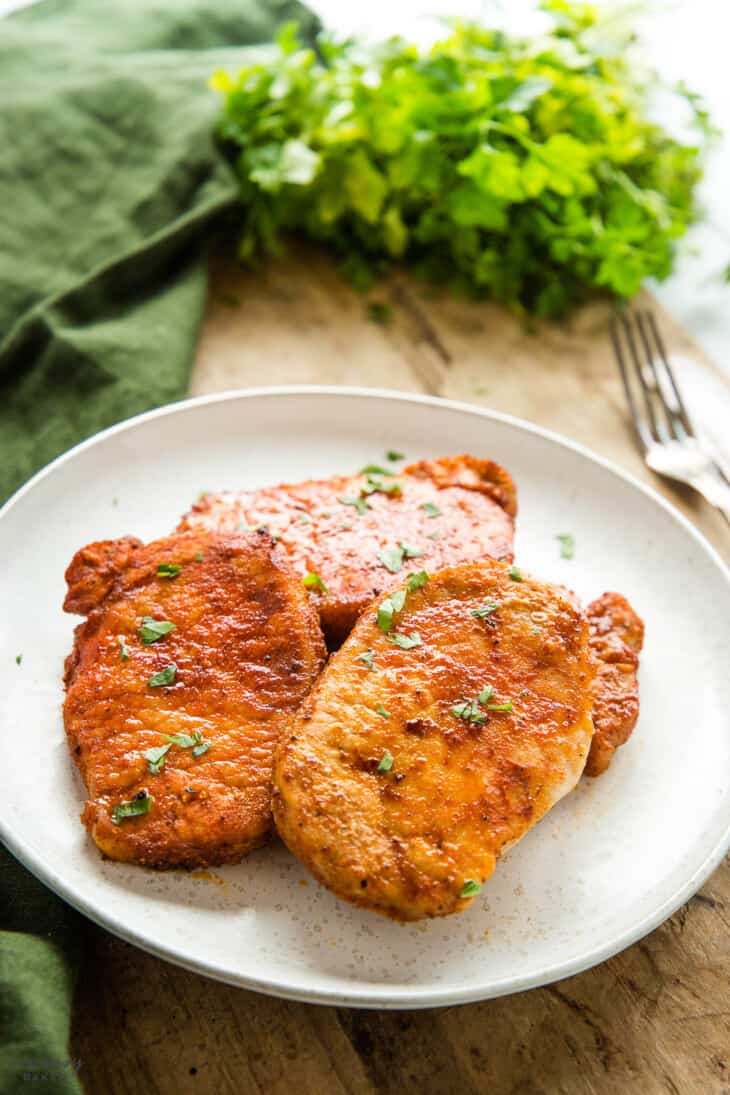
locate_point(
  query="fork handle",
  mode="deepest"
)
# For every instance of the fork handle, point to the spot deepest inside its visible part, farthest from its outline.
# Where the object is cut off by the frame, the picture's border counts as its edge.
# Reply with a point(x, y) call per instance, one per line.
point(715, 490)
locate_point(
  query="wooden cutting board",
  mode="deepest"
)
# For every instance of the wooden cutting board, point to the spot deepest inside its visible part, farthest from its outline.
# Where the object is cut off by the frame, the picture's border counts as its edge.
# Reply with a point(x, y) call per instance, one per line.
point(653, 1020)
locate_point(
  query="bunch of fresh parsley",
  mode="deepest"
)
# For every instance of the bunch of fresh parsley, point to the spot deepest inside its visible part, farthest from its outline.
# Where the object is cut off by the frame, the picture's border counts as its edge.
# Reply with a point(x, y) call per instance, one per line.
point(525, 169)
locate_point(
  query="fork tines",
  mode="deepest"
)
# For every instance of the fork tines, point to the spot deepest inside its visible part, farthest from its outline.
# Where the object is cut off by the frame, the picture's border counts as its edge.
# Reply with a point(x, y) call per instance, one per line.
point(656, 405)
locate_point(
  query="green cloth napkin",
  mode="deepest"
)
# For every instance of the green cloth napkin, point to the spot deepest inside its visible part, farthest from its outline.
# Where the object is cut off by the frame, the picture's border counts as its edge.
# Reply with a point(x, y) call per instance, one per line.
point(109, 183)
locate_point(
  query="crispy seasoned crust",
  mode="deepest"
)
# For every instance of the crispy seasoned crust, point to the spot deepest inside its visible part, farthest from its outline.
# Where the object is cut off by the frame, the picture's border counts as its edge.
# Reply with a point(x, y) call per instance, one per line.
point(322, 534)
point(461, 790)
point(247, 648)
point(617, 636)
point(93, 571)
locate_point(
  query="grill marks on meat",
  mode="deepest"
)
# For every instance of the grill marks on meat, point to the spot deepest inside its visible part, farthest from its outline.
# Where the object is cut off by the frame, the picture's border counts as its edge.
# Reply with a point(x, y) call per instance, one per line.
point(322, 534)
point(247, 648)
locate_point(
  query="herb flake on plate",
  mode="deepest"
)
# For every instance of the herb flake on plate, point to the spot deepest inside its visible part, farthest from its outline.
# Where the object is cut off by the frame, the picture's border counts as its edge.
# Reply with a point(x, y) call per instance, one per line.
point(567, 545)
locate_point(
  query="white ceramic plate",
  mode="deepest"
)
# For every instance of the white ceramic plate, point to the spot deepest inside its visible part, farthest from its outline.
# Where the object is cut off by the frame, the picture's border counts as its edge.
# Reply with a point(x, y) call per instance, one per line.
point(606, 866)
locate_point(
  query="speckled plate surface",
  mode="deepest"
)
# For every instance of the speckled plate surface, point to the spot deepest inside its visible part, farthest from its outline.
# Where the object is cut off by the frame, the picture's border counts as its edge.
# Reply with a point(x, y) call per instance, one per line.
point(606, 866)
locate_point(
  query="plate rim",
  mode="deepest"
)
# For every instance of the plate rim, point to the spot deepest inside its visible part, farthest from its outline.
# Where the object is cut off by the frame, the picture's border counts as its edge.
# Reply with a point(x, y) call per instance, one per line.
point(378, 997)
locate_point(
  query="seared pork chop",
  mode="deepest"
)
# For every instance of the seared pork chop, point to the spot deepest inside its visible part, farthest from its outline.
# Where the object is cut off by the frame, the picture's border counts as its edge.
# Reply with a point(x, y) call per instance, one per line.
point(194, 650)
point(617, 636)
point(357, 534)
point(456, 714)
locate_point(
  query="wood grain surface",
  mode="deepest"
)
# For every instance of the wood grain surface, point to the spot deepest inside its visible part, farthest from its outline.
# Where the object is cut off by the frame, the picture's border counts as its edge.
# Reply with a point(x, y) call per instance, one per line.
point(656, 1018)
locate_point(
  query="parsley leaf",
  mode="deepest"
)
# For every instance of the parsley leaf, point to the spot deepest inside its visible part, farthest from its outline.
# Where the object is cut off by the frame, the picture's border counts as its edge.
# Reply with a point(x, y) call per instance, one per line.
point(374, 469)
point(153, 630)
point(19, 659)
point(394, 456)
point(156, 758)
point(469, 710)
point(374, 484)
point(500, 706)
point(135, 807)
point(386, 762)
point(392, 559)
point(368, 658)
point(313, 581)
point(192, 741)
point(388, 608)
point(380, 710)
point(165, 676)
point(528, 169)
point(168, 570)
point(360, 504)
point(515, 573)
point(410, 552)
point(417, 580)
point(405, 642)
point(470, 888)
point(567, 545)
point(431, 509)
point(485, 610)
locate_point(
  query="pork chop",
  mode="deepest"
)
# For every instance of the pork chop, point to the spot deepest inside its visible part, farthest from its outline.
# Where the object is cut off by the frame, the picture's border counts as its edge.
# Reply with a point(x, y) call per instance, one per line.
point(456, 714)
point(194, 649)
point(355, 535)
point(617, 636)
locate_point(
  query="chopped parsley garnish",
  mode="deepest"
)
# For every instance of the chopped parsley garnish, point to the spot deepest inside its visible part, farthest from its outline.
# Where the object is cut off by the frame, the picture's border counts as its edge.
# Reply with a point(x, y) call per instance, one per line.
point(360, 504)
point(140, 804)
point(123, 648)
point(313, 581)
point(469, 710)
point(165, 676)
point(391, 558)
point(156, 758)
point(190, 741)
point(500, 706)
point(470, 888)
point(168, 570)
point(417, 580)
point(18, 659)
point(431, 509)
point(152, 630)
point(394, 456)
point(374, 484)
point(380, 710)
point(386, 762)
point(567, 545)
point(388, 608)
point(368, 658)
point(374, 469)
point(199, 557)
point(485, 610)
point(405, 642)
point(515, 573)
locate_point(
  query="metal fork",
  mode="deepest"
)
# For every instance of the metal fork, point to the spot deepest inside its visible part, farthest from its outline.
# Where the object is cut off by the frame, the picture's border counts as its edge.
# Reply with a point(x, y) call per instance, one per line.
point(662, 425)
